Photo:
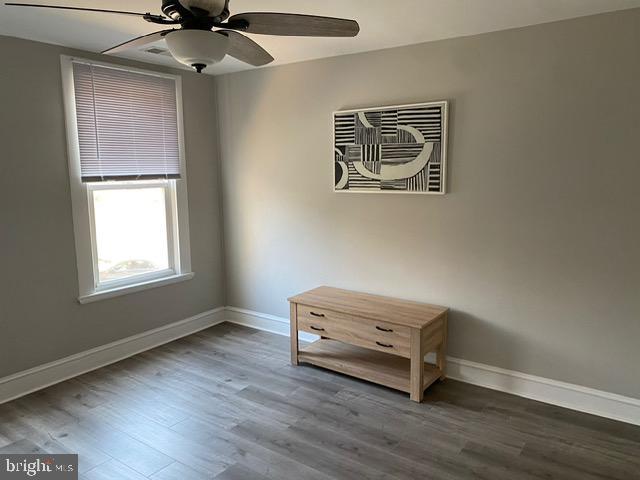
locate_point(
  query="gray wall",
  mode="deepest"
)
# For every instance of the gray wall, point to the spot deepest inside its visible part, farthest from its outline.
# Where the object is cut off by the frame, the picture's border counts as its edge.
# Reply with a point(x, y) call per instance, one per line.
point(535, 248)
point(40, 319)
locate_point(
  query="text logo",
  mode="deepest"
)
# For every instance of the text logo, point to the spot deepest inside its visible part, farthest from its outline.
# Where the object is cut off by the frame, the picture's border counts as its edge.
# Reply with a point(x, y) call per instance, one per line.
point(39, 466)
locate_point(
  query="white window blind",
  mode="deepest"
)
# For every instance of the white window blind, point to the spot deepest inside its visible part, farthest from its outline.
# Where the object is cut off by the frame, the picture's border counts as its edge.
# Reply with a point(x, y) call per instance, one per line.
point(127, 124)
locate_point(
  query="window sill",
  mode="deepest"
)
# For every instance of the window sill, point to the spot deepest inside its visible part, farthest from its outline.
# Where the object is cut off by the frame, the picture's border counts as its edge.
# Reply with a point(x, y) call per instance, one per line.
point(138, 287)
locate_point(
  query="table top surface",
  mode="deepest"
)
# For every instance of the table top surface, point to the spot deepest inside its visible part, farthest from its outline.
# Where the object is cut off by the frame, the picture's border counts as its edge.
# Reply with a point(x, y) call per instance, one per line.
point(387, 309)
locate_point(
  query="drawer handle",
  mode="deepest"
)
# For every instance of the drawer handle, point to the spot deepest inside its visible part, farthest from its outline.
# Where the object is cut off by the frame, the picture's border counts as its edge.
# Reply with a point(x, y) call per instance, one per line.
point(384, 329)
point(317, 314)
point(317, 329)
point(385, 345)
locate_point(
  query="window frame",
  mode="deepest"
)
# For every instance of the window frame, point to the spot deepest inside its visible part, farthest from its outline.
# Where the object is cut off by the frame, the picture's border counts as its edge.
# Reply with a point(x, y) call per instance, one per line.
point(177, 210)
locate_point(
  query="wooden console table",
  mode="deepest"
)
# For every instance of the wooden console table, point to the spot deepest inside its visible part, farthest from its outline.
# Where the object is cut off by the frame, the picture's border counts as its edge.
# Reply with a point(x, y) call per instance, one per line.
point(379, 339)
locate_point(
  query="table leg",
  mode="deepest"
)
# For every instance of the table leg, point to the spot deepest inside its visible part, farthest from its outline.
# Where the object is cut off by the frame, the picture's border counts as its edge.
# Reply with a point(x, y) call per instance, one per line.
point(417, 366)
point(293, 320)
point(441, 354)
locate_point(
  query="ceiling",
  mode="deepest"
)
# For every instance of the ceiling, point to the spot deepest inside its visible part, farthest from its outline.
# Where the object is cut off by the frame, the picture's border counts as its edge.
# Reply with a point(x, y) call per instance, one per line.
point(384, 23)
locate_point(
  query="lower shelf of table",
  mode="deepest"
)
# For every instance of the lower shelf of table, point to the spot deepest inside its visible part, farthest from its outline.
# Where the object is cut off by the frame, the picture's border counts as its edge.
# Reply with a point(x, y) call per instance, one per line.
point(378, 367)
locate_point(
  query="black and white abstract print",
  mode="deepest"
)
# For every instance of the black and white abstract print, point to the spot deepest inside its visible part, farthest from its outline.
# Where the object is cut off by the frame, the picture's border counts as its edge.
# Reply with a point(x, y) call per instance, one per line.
point(391, 149)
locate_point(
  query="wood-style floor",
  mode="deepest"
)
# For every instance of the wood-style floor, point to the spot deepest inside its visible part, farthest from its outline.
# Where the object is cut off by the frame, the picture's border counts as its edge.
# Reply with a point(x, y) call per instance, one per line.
point(226, 404)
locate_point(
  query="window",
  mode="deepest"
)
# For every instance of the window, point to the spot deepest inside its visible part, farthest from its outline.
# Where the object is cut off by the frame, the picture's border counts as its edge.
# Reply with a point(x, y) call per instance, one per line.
point(128, 182)
point(132, 227)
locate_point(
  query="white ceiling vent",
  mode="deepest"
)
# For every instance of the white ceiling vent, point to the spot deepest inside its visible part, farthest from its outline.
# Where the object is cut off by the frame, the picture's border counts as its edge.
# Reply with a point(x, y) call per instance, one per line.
point(157, 51)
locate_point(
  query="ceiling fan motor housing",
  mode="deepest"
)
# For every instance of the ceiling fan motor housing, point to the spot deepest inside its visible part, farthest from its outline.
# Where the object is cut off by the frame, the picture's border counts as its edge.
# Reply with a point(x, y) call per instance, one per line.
point(197, 48)
point(213, 7)
point(189, 10)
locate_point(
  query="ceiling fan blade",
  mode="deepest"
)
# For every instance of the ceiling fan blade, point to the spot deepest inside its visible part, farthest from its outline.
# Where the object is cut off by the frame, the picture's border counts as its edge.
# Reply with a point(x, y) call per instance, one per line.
point(291, 24)
point(60, 7)
point(245, 49)
point(139, 41)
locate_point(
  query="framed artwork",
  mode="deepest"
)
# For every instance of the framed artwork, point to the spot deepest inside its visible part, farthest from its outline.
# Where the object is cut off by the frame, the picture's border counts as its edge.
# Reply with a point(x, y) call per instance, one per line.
point(396, 149)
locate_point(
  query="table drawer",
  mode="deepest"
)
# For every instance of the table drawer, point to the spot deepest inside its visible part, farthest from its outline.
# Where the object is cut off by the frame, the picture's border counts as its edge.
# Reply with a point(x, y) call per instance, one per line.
point(376, 335)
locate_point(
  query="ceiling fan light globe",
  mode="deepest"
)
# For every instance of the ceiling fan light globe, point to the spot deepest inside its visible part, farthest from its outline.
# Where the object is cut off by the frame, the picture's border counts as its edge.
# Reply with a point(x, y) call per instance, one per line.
point(197, 47)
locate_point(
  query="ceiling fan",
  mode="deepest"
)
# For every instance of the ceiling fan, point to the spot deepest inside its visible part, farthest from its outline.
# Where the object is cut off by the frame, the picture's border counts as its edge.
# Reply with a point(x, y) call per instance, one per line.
point(195, 42)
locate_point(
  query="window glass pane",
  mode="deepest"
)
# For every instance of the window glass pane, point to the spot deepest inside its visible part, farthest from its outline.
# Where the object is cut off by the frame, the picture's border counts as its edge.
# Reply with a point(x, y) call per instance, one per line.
point(131, 232)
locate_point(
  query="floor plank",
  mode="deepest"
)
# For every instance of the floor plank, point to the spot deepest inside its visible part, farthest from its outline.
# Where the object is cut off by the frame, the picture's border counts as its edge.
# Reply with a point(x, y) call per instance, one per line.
point(226, 404)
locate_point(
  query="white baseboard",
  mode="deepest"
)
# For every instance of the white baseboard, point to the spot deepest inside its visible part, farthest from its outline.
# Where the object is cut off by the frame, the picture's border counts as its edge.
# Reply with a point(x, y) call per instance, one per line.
point(562, 394)
point(264, 321)
point(28, 381)
point(575, 397)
